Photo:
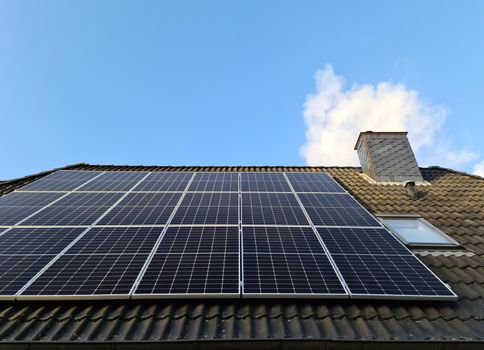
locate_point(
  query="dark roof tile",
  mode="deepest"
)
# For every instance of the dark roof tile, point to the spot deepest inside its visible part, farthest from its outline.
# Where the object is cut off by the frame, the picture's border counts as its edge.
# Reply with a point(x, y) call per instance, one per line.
point(453, 202)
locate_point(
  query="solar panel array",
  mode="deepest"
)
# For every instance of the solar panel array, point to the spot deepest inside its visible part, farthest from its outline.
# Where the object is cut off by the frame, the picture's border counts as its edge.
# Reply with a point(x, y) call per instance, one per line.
point(134, 234)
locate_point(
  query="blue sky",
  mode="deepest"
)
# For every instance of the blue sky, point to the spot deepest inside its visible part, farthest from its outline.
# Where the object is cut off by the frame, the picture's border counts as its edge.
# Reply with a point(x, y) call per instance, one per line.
point(227, 83)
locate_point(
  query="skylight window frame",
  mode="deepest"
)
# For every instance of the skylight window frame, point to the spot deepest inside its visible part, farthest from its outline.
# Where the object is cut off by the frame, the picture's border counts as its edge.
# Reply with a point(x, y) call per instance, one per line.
point(452, 243)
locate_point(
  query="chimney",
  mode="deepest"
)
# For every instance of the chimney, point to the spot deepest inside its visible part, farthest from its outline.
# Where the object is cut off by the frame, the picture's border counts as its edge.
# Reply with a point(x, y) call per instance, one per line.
point(387, 157)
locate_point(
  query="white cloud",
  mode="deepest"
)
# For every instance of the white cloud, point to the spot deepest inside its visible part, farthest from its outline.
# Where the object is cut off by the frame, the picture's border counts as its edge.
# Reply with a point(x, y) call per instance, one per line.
point(335, 115)
point(479, 168)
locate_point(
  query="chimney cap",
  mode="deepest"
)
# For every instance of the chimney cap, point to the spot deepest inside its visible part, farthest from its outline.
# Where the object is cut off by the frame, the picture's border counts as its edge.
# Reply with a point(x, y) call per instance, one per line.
point(360, 136)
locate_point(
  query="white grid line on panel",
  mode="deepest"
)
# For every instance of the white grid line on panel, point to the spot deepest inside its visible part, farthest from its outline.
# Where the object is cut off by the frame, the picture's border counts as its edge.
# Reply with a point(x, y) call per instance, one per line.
point(272, 212)
point(73, 242)
point(328, 254)
point(241, 239)
point(48, 178)
point(48, 205)
point(265, 183)
point(208, 211)
point(158, 242)
point(404, 246)
point(223, 179)
point(365, 227)
point(153, 211)
point(332, 180)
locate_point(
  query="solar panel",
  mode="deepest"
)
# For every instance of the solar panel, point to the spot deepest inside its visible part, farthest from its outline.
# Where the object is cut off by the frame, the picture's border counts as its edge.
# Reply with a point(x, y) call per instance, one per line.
point(280, 240)
point(104, 261)
point(347, 240)
point(403, 276)
point(63, 180)
point(208, 209)
point(176, 234)
point(208, 182)
point(290, 275)
point(271, 209)
point(37, 241)
point(17, 270)
point(373, 262)
point(81, 276)
point(114, 181)
point(191, 274)
point(194, 261)
point(313, 182)
point(164, 181)
point(264, 182)
point(16, 206)
point(75, 209)
point(287, 261)
point(326, 209)
point(142, 209)
point(195, 240)
point(25, 251)
point(116, 240)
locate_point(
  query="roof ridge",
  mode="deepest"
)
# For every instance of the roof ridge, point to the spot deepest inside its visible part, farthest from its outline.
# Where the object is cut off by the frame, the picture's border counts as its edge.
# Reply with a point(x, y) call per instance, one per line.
point(460, 172)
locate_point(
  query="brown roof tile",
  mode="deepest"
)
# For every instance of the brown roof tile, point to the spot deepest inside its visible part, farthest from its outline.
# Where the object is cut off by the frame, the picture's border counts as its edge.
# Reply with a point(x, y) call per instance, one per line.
point(453, 202)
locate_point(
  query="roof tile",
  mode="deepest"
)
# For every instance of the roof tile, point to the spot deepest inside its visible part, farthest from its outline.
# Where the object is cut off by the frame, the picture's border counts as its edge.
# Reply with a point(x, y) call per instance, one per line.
point(453, 202)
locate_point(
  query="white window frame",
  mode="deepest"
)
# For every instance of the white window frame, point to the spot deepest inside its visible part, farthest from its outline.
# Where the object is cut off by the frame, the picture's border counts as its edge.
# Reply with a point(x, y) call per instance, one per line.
point(452, 243)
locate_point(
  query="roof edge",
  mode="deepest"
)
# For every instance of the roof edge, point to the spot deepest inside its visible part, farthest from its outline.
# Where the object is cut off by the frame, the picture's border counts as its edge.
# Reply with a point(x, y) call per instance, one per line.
point(43, 173)
point(454, 171)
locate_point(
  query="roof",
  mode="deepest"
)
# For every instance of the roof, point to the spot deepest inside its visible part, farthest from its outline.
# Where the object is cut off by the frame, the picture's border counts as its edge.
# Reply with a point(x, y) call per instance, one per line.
point(453, 202)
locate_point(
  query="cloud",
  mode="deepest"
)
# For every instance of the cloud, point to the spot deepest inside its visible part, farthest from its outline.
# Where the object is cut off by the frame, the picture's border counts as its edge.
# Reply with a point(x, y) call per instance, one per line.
point(335, 115)
point(479, 168)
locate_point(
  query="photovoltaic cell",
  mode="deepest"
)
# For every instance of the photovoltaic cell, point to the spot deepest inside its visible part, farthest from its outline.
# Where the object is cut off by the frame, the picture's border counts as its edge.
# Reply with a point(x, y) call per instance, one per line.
point(196, 240)
point(286, 260)
point(165, 181)
point(25, 251)
point(289, 274)
point(194, 274)
point(114, 181)
point(336, 210)
point(281, 240)
point(313, 182)
point(194, 260)
point(78, 275)
point(116, 240)
point(346, 240)
point(328, 200)
point(62, 180)
point(373, 262)
point(75, 209)
point(16, 206)
point(28, 199)
point(271, 209)
point(207, 209)
point(37, 241)
point(264, 182)
point(142, 209)
point(391, 275)
point(17, 270)
point(105, 261)
point(217, 182)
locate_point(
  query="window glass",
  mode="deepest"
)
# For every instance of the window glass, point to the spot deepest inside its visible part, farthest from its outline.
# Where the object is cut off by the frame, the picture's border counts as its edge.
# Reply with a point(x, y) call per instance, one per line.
point(417, 231)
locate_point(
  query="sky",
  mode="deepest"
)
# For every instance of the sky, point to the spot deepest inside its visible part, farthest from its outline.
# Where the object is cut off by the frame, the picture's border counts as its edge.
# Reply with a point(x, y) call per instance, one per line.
point(237, 82)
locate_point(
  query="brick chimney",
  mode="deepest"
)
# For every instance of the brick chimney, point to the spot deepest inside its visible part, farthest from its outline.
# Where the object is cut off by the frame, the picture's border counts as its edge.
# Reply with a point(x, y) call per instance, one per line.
point(387, 157)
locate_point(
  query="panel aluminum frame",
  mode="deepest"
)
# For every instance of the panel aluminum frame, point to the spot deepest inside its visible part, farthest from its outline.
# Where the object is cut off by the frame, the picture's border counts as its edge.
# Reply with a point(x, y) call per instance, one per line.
point(240, 294)
point(20, 296)
point(135, 295)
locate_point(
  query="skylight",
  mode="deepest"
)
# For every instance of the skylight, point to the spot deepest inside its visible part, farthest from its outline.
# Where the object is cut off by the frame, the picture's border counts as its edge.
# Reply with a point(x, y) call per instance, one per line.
point(416, 231)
